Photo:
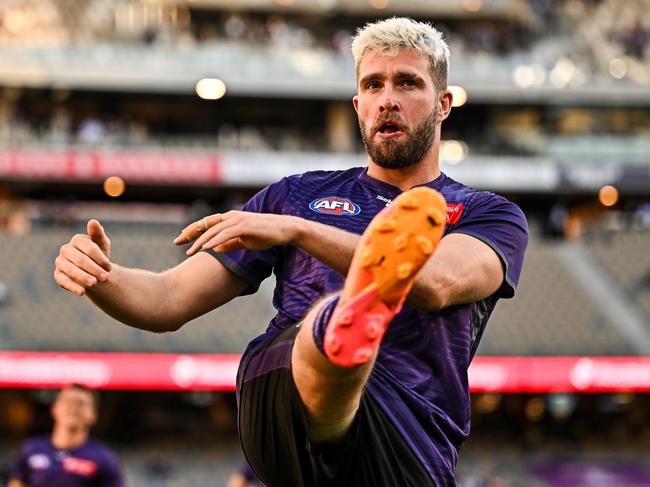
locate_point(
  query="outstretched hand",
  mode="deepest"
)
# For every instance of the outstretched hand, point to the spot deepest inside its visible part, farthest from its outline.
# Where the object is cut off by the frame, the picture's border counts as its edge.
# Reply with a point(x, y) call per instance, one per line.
point(234, 230)
point(84, 260)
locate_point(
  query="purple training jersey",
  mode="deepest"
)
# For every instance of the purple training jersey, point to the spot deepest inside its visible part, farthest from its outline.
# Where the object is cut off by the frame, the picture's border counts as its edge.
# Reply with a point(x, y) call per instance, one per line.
point(40, 464)
point(420, 376)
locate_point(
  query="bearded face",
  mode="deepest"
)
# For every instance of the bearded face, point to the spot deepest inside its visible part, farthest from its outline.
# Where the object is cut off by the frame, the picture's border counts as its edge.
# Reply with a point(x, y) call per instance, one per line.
point(391, 153)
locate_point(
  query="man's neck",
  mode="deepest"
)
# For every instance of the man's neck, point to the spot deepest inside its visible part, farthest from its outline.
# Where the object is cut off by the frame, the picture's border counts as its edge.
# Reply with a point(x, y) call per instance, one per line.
point(407, 177)
point(67, 439)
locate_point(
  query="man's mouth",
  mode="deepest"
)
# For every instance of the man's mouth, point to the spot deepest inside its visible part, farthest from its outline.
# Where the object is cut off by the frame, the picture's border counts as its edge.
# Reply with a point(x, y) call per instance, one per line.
point(389, 128)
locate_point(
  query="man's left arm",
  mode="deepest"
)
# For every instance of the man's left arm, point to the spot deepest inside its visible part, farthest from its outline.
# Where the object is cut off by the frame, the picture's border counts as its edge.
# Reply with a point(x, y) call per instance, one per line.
point(463, 269)
point(481, 255)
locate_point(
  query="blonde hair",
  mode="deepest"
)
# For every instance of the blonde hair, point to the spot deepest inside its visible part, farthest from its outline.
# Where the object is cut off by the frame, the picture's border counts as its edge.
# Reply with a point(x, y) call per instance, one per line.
point(390, 35)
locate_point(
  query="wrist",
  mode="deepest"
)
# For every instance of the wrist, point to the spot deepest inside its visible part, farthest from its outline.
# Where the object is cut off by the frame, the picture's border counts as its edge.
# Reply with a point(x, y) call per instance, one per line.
point(297, 230)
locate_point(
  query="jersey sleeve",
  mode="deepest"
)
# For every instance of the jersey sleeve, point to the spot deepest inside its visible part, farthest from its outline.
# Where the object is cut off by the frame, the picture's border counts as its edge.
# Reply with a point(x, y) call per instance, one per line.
point(112, 475)
point(253, 266)
point(502, 225)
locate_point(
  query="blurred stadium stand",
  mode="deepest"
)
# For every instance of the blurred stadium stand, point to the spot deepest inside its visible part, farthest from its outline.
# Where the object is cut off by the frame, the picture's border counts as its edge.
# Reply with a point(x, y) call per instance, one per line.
point(556, 106)
point(38, 316)
point(552, 315)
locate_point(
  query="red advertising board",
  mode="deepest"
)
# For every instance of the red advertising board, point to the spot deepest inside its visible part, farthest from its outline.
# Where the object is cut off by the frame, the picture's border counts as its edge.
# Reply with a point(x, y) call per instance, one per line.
point(151, 166)
point(217, 372)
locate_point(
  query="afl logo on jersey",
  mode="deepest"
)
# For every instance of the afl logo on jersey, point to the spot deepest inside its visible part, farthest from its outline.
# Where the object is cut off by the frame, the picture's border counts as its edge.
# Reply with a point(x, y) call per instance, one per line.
point(333, 205)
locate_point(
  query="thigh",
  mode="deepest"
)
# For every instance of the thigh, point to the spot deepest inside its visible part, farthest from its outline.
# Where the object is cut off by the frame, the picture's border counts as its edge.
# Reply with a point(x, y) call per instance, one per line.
point(379, 455)
point(272, 423)
point(274, 435)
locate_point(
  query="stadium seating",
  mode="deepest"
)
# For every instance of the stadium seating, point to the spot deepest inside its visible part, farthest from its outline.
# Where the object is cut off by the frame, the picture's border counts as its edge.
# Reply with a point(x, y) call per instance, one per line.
point(551, 315)
point(40, 316)
point(625, 256)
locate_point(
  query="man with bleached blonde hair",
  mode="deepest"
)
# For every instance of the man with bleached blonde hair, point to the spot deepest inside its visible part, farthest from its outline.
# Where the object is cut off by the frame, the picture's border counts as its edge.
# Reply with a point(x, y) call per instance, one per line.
point(330, 394)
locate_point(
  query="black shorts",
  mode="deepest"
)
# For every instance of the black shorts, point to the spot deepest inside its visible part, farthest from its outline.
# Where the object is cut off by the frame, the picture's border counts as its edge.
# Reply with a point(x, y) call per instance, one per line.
point(273, 432)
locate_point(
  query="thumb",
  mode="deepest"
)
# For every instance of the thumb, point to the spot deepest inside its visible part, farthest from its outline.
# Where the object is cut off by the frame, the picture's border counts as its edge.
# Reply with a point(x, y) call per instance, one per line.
point(98, 235)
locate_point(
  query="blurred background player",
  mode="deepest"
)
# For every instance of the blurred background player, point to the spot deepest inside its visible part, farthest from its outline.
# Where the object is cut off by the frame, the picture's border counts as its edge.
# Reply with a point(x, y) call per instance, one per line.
point(68, 457)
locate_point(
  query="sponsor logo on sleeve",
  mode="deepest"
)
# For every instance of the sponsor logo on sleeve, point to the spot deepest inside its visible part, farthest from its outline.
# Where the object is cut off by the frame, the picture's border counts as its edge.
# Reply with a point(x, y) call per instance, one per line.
point(454, 210)
point(333, 205)
point(79, 466)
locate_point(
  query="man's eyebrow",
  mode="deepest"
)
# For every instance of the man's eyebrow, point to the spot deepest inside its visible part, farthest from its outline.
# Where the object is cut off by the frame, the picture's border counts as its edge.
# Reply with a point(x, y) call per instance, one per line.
point(371, 77)
point(409, 75)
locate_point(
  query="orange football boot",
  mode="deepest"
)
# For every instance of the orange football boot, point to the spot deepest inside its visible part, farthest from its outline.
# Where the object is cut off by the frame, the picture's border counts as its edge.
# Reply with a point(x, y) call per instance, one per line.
point(394, 247)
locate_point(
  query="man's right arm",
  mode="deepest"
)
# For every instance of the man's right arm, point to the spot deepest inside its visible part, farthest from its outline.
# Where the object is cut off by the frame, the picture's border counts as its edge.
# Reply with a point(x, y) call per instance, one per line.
point(165, 301)
point(15, 483)
point(150, 301)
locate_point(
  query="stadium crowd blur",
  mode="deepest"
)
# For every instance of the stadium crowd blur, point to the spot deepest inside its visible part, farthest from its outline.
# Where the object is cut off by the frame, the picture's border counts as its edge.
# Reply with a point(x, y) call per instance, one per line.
point(588, 257)
point(566, 43)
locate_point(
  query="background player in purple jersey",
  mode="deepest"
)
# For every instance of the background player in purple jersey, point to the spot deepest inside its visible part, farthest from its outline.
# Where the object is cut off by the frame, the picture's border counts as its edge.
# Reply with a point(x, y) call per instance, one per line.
point(400, 417)
point(68, 457)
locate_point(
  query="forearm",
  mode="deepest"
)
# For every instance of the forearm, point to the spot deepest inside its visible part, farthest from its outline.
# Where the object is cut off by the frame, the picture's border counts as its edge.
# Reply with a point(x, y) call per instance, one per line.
point(462, 270)
point(137, 298)
point(335, 247)
point(442, 281)
point(330, 245)
point(430, 289)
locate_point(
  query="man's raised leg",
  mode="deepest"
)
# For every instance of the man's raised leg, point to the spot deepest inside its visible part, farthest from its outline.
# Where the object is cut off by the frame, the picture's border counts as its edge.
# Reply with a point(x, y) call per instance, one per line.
point(337, 345)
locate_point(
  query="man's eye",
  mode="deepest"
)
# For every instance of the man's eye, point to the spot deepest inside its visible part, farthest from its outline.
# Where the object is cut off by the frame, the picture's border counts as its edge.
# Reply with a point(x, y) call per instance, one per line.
point(408, 82)
point(372, 85)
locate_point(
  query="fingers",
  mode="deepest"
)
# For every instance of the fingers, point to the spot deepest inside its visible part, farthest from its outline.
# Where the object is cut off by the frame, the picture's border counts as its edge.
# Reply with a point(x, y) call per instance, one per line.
point(68, 284)
point(82, 249)
point(225, 234)
point(80, 265)
point(98, 235)
point(227, 221)
point(197, 228)
point(230, 246)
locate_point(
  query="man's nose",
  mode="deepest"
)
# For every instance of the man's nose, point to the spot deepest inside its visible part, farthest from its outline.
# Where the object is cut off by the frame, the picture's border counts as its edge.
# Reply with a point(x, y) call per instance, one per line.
point(389, 102)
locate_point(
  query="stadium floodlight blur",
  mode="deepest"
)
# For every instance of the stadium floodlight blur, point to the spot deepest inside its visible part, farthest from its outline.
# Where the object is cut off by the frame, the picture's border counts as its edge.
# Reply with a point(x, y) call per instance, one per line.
point(210, 88)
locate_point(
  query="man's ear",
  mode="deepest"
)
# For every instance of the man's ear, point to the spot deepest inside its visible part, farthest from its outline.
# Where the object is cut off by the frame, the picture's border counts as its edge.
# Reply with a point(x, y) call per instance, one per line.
point(355, 102)
point(445, 100)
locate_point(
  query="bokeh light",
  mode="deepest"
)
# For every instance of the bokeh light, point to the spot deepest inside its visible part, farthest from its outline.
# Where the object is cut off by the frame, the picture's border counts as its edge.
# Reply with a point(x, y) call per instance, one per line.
point(608, 195)
point(459, 95)
point(114, 186)
point(210, 88)
point(378, 4)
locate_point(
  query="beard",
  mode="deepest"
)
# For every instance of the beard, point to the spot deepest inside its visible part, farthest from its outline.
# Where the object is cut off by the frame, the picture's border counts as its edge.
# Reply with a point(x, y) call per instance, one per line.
point(391, 154)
